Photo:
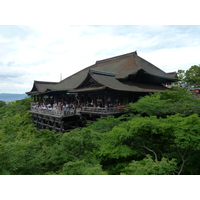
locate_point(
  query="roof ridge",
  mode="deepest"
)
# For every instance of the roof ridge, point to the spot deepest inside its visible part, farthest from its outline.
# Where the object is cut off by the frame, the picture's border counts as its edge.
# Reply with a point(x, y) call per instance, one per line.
point(87, 68)
point(46, 82)
point(92, 71)
point(171, 72)
point(115, 57)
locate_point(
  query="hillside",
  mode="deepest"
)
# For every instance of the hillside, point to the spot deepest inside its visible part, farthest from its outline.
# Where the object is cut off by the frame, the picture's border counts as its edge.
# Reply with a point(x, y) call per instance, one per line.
point(150, 139)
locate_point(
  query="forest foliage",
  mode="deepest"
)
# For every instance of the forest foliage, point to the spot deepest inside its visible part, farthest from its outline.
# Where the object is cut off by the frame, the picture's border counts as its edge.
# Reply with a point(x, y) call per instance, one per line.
point(189, 78)
point(159, 135)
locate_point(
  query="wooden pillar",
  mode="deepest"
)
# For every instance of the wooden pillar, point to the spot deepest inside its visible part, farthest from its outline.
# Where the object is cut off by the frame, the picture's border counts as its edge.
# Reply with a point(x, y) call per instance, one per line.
point(102, 100)
point(61, 126)
point(37, 124)
point(92, 96)
point(63, 97)
point(105, 99)
point(41, 99)
point(86, 99)
point(54, 124)
point(42, 122)
point(95, 100)
point(48, 122)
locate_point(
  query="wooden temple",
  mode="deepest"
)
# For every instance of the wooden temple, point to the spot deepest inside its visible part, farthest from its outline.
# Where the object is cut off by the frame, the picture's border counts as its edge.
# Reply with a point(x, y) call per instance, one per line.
point(102, 89)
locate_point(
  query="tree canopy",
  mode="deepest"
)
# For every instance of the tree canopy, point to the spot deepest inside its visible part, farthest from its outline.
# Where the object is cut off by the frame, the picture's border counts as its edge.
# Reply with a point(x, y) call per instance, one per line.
point(159, 135)
point(166, 103)
point(2, 103)
point(189, 78)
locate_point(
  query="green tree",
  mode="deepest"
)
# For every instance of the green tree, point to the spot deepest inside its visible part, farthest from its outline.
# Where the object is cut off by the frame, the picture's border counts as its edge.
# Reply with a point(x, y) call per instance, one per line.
point(80, 167)
point(169, 138)
point(189, 78)
point(181, 77)
point(23, 149)
point(105, 124)
point(166, 103)
point(130, 144)
point(148, 166)
point(2, 103)
point(74, 147)
point(19, 107)
point(192, 76)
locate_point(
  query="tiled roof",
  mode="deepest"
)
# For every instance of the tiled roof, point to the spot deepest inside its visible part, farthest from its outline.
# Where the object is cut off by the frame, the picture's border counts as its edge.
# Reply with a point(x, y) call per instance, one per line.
point(114, 84)
point(112, 70)
point(41, 86)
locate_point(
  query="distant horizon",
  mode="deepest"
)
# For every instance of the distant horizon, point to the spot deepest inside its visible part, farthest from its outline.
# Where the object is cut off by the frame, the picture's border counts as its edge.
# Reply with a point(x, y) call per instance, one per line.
point(12, 96)
point(12, 93)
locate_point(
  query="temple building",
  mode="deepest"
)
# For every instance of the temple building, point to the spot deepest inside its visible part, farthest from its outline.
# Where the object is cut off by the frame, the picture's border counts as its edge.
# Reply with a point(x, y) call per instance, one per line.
point(104, 88)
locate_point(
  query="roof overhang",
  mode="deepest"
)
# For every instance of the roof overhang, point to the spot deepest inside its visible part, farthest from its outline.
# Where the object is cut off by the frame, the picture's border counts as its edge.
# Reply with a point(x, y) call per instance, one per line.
point(79, 90)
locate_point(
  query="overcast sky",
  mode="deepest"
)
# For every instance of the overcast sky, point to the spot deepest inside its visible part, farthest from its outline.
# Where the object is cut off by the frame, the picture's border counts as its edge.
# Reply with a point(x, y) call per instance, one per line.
point(41, 52)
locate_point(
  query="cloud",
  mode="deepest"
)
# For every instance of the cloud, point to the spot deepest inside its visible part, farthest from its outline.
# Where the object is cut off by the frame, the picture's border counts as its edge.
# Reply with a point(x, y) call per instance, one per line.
point(14, 72)
point(38, 52)
point(173, 59)
point(11, 32)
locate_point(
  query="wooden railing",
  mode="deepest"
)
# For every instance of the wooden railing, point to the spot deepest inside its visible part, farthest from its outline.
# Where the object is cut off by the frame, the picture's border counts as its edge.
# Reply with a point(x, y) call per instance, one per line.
point(109, 110)
point(60, 113)
point(71, 111)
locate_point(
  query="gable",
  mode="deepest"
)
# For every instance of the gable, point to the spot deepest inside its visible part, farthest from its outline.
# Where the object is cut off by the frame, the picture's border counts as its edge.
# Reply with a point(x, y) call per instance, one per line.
point(89, 82)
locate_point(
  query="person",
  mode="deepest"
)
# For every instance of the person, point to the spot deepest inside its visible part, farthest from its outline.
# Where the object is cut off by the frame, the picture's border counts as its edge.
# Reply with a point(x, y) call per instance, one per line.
point(40, 107)
point(49, 108)
point(44, 107)
point(67, 108)
point(72, 106)
point(59, 108)
point(48, 105)
point(55, 104)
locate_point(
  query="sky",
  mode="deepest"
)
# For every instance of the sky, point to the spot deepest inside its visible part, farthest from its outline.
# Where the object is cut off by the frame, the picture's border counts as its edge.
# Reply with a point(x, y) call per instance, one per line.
point(51, 52)
point(40, 40)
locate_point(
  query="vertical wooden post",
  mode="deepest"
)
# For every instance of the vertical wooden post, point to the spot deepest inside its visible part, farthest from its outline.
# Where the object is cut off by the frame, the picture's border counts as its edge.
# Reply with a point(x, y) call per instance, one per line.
point(54, 124)
point(95, 100)
point(84, 97)
point(48, 122)
point(105, 98)
point(42, 123)
point(61, 126)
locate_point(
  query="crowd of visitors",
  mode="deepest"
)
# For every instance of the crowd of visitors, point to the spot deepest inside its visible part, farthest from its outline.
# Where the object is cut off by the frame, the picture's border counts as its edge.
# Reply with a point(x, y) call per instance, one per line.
point(71, 108)
point(54, 107)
